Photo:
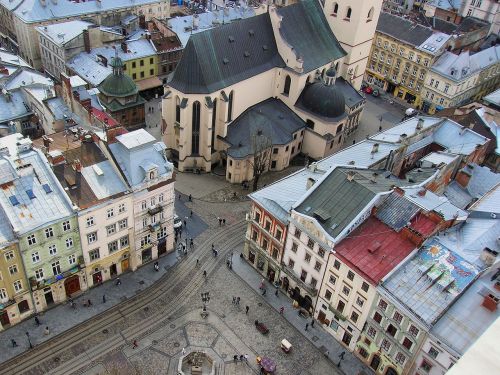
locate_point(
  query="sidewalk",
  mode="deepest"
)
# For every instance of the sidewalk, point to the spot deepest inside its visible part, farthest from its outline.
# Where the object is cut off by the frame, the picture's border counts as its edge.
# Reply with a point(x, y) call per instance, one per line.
point(317, 335)
point(62, 317)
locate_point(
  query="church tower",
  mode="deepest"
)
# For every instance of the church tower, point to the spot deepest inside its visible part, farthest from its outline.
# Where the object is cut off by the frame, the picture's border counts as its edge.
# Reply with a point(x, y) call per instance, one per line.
point(354, 23)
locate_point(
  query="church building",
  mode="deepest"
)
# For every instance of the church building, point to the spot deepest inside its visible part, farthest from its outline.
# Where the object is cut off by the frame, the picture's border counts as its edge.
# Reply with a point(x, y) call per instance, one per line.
point(281, 75)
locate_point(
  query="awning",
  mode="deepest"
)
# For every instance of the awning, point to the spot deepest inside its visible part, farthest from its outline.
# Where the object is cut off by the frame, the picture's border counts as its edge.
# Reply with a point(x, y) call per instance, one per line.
point(149, 83)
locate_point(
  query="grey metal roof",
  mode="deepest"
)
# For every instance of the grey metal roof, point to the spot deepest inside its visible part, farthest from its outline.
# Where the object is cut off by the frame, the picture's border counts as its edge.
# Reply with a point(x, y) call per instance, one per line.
point(62, 33)
point(6, 234)
point(306, 29)
point(103, 180)
point(216, 58)
point(13, 108)
point(432, 202)
point(337, 199)
point(490, 202)
point(271, 117)
point(403, 29)
point(351, 95)
point(396, 211)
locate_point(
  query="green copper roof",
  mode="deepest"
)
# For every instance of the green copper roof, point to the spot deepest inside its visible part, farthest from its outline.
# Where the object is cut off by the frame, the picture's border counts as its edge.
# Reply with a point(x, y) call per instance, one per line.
point(118, 84)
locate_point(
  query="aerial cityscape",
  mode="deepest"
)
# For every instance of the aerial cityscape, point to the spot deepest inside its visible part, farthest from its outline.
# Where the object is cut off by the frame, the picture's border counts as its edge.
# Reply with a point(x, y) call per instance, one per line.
point(292, 187)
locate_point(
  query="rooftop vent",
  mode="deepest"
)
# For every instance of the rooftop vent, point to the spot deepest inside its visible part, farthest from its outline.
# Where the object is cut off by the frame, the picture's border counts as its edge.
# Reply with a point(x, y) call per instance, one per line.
point(310, 183)
point(374, 247)
point(265, 47)
point(225, 61)
point(251, 32)
point(246, 54)
point(30, 194)
point(350, 175)
point(488, 256)
point(420, 124)
point(98, 171)
point(231, 39)
point(375, 148)
point(13, 200)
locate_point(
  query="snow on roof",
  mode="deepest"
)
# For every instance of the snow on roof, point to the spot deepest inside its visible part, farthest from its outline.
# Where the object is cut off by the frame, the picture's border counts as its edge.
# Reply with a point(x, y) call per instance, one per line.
point(62, 33)
point(26, 77)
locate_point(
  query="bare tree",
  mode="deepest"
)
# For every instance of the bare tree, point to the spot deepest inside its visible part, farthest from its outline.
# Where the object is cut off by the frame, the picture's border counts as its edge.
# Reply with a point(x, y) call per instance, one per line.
point(261, 147)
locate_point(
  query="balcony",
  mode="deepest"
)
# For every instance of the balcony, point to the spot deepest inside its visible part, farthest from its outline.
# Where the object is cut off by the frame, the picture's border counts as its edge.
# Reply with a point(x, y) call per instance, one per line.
point(337, 313)
point(301, 284)
point(153, 227)
point(155, 210)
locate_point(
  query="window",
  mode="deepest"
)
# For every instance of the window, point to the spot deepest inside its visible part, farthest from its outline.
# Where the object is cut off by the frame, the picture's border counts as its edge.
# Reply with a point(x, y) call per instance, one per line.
point(124, 241)
point(144, 222)
point(354, 316)
point(314, 282)
point(360, 301)
point(141, 62)
point(336, 264)
point(426, 366)
point(230, 106)
point(401, 52)
point(371, 332)
point(335, 9)
point(151, 72)
point(18, 286)
point(275, 253)
point(286, 87)
point(382, 304)
point(377, 317)
point(49, 233)
point(121, 208)
point(346, 290)
point(446, 88)
point(350, 275)
point(133, 64)
point(307, 258)
point(146, 240)
point(267, 226)
point(35, 257)
point(310, 243)
point(348, 13)
point(321, 252)
point(69, 243)
point(275, 150)
point(317, 266)
point(278, 234)
point(407, 343)
point(363, 353)
point(39, 274)
point(52, 250)
point(66, 225)
point(9, 255)
point(370, 15)
point(291, 263)
point(265, 243)
point(410, 55)
point(433, 352)
point(328, 295)
point(160, 197)
point(110, 213)
point(94, 254)
point(386, 345)
point(72, 259)
point(391, 330)
point(56, 268)
point(195, 136)
point(111, 229)
point(341, 306)
point(413, 330)
point(112, 246)
point(436, 84)
point(153, 201)
point(365, 287)
point(297, 233)
point(90, 221)
point(123, 224)
point(332, 280)
point(13, 269)
point(400, 358)
point(397, 317)
point(294, 247)
point(92, 237)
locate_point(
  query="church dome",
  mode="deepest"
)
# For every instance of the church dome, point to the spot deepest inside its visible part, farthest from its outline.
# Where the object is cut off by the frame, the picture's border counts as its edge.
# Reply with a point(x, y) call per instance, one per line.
point(118, 84)
point(323, 100)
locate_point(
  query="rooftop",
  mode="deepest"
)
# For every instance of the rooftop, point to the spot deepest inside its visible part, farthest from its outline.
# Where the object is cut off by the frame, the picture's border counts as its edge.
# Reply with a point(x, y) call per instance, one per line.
point(32, 197)
point(493, 98)
point(62, 33)
point(374, 250)
point(489, 203)
point(396, 211)
point(13, 106)
point(271, 118)
point(429, 201)
point(430, 281)
point(403, 29)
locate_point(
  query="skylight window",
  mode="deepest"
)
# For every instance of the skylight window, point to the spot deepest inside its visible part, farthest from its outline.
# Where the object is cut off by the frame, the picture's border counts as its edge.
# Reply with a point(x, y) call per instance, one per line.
point(30, 193)
point(47, 188)
point(13, 200)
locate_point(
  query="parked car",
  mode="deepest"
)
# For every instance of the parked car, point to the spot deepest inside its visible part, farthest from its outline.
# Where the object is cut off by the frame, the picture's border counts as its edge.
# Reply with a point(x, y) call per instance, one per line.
point(376, 93)
point(368, 90)
point(177, 222)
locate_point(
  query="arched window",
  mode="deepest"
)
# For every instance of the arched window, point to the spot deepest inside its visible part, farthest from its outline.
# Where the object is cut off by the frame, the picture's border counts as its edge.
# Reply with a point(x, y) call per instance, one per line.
point(195, 133)
point(230, 106)
point(348, 13)
point(339, 128)
point(286, 88)
point(214, 119)
point(335, 9)
point(370, 14)
point(177, 109)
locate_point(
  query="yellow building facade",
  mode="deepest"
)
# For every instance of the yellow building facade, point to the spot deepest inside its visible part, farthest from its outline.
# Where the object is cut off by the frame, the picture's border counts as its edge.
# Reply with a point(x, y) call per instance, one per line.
point(143, 68)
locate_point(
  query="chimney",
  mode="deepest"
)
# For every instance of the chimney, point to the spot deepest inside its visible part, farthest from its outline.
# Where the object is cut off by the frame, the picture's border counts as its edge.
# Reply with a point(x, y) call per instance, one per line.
point(142, 21)
point(420, 124)
point(86, 40)
point(350, 175)
point(310, 182)
point(124, 47)
point(56, 157)
point(421, 193)
point(375, 148)
point(374, 247)
point(8, 96)
point(77, 166)
point(490, 302)
point(399, 191)
point(488, 256)
point(46, 142)
point(402, 137)
point(373, 177)
point(463, 178)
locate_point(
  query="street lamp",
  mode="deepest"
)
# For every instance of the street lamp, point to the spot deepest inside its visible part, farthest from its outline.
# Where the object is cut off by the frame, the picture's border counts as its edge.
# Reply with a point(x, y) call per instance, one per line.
point(29, 341)
point(205, 298)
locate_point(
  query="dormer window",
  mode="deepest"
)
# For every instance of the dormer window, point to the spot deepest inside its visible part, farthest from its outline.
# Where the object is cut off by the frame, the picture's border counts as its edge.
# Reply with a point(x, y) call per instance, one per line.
point(152, 173)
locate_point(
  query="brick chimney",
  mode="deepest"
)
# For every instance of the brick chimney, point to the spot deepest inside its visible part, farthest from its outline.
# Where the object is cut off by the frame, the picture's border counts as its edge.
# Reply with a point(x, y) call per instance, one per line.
point(399, 191)
point(77, 166)
point(142, 21)
point(124, 47)
point(86, 40)
point(463, 178)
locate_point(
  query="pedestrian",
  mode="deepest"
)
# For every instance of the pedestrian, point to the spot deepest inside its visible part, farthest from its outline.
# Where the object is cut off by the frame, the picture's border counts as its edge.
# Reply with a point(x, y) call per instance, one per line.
point(341, 355)
point(216, 253)
point(89, 303)
point(183, 351)
point(234, 300)
point(213, 247)
point(37, 321)
point(235, 358)
point(179, 197)
point(191, 213)
point(353, 141)
point(327, 354)
point(118, 281)
point(191, 244)
point(238, 301)
point(223, 221)
point(247, 308)
point(312, 323)
point(380, 128)
point(46, 331)
point(246, 357)
point(264, 292)
point(103, 298)
point(262, 284)
point(205, 274)
point(185, 223)
point(276, 292)
point(307, 326)
point(242, 357)
point(190, 198)
point(282, 309)
point(197, 261)
point(134, 344)
point(220, 221)
point(14, 343)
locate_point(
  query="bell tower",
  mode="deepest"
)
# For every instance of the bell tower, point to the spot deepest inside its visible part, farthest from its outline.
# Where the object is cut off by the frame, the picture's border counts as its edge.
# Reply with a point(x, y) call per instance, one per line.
point(354, 23)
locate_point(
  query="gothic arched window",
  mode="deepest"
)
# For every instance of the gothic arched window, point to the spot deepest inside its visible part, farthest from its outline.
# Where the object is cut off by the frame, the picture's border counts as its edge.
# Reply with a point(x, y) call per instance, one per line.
point(195, 136)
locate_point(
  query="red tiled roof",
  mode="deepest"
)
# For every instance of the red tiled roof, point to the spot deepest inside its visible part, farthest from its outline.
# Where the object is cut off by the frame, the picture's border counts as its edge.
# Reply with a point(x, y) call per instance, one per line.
point(100, 115)
point(374, 249)
point(423, 225)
